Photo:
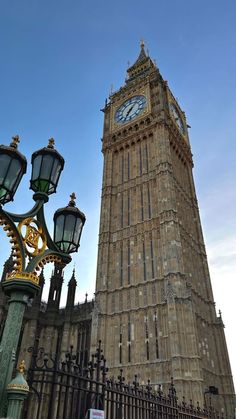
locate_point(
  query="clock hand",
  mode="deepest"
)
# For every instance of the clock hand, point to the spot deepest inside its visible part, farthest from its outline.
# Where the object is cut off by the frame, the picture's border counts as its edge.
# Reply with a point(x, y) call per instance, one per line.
point(130, 109)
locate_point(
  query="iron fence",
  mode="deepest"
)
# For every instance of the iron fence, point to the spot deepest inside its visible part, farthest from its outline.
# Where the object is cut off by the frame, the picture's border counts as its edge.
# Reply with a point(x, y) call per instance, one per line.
point(65, 390)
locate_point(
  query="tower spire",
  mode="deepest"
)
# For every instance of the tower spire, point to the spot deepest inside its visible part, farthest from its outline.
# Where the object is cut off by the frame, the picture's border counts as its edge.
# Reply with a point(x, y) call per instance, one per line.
point(7, 267)
point(55, 288)
point(38, 298)
point(71, 291)
point(142, 66)
point(142, 55)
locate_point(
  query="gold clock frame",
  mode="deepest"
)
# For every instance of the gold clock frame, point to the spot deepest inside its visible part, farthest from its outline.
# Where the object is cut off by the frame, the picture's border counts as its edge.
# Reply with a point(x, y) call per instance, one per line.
point(116, 104)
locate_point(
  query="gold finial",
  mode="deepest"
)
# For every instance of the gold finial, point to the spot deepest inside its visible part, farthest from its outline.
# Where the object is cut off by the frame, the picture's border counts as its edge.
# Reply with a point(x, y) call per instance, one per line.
point(16, 140)
point(51, 143)
point(22, 367)
point(142, 44)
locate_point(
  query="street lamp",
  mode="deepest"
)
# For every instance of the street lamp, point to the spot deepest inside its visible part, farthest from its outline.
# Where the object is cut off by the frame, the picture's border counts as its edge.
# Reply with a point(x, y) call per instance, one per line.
point(12, 167)
point(32, 245)
point(68, 225)
point(47, 165)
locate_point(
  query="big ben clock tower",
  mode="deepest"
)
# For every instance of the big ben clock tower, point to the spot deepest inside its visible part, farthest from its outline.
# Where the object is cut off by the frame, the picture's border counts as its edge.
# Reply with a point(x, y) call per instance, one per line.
point(155, 311)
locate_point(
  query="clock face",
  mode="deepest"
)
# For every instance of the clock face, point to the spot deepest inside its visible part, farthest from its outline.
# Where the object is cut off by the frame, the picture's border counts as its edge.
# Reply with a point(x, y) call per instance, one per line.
point(177, 117)
point(130, 109)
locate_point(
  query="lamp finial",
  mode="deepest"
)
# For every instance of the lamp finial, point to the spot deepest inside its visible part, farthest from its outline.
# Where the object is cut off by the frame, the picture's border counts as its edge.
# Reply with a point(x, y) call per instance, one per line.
point(22, 367)
point(51, 142)
point(72, 199)
point(15, 141)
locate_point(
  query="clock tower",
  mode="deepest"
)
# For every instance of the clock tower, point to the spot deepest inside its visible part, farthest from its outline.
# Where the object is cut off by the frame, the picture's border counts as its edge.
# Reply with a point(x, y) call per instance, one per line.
point(155, 311)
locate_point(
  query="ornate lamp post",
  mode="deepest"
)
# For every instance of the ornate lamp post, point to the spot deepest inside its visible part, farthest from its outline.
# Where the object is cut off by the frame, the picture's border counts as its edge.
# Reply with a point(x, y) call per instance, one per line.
point(32, 245)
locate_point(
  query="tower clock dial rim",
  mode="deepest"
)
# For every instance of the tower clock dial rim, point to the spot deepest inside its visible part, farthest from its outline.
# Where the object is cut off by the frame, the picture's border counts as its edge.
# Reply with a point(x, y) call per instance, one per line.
point(177, 117)
point(130, 109)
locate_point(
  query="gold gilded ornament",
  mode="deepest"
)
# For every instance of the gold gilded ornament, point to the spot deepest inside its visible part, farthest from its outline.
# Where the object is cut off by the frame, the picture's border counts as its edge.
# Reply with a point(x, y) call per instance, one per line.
point(33, 236)
point(23, 276)
point(22, 367)
point(14, 241)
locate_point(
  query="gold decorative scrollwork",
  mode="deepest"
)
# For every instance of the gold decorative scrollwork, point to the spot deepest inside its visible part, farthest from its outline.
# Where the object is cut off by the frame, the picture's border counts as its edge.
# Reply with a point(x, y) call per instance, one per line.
point(16, 252)
point(34, 241)
point(47, 259)
point(33, 236)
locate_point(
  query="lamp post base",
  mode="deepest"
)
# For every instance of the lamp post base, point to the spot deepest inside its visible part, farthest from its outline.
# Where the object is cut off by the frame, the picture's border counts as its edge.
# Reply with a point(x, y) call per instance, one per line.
point(19, 291)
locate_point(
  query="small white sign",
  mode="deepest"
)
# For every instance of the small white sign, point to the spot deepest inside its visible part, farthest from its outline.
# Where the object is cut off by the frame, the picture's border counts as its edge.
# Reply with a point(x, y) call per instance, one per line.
point(96, 414)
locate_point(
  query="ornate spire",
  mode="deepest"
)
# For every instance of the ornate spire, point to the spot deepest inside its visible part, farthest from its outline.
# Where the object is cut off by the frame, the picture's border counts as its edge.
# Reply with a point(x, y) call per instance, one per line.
point(7, 267)
point(142, 66)
point(72, 280)
point(71, 291)
point(55, 287)
point(142, 55)
point(38, 298)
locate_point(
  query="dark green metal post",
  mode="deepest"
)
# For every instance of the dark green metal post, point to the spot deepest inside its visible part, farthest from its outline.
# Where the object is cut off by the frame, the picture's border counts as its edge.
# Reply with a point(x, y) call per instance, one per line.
point(19, 292)
point(17, 392)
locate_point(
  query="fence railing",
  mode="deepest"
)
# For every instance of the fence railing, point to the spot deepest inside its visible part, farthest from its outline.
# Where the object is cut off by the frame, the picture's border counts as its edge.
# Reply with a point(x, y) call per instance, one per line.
point(64, 390)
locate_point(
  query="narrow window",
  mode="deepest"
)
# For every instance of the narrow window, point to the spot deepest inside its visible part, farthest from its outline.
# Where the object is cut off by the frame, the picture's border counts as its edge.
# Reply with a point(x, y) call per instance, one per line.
point(129, 352)
point(157, 349)
point(121, 267)
point(122, 168)
point(146, 337)
point(128, 165)
point(141, 203)
point(146, 327)
point(79, 347)
point(129, 267)
point(122, 211)
point(140, 161)
point(120, 344)
point(144, 263)
point(145, 296)
point(146, 158)
point(147, 350)
point(129, 340)
point(156, 336)
point(152, 259)
point(128, 205)
point(129, 331)
point(149, 202)
point(80, 359)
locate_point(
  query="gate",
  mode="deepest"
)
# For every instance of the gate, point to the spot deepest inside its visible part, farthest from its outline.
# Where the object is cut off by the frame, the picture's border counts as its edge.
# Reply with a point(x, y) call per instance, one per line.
point(64, 390)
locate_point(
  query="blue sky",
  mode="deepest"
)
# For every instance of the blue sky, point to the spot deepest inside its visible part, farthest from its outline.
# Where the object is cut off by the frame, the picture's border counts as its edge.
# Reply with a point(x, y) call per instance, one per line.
point(58, 62)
